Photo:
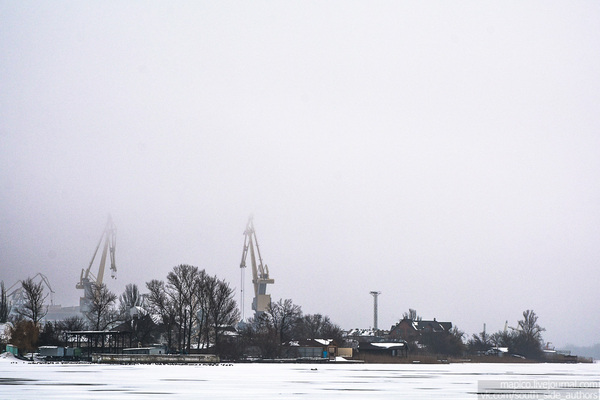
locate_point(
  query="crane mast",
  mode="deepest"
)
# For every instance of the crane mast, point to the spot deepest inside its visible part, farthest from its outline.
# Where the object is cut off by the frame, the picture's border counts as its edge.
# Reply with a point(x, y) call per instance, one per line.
point(87, 279)
point(260, 272)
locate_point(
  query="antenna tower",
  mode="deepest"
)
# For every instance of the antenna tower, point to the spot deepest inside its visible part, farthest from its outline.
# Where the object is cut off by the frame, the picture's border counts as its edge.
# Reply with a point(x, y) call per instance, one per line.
point(375, 294)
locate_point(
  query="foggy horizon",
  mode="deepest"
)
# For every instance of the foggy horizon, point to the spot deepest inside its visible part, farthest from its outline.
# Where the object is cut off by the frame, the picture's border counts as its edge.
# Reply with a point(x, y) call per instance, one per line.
point(444, 154)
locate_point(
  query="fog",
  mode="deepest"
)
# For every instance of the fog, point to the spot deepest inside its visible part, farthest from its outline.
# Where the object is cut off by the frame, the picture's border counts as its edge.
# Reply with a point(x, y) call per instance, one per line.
point(445, 154)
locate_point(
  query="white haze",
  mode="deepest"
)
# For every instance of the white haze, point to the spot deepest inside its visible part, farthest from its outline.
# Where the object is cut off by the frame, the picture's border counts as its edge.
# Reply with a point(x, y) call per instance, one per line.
point(443, 153)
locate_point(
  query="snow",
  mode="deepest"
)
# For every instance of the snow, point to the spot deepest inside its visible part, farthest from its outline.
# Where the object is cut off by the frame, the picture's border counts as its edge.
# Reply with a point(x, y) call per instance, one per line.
point(284, 381)
point(361, 332)
point(10, 358)
point(4, 328)
point(341, 359)
point(387, 345)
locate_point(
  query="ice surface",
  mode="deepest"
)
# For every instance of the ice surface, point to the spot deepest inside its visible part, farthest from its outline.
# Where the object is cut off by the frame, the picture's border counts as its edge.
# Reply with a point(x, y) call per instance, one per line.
point(282, 381)
point(7, 357)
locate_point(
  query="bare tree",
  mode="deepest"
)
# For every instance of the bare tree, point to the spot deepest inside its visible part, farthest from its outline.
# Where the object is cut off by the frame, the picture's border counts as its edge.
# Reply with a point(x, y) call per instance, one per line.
point(317, 326)
point(525, 339)
point(190, 302)
point(202, 314)
point(502, 338)
point(195, 299)
point(74, 323)
point(528, 340)
point(529, 326)
point(282, 316)
point(182, 287)
point(222, 308)
point(134, 315)
point(259, 333)
point(160, 304)
point(4, 304)
point(479, 342)
point(129, 299)
point(102, 308)
point(33, 306)
point(49, 334)
point(310, 326)
point(412, 315)
point(332, 331)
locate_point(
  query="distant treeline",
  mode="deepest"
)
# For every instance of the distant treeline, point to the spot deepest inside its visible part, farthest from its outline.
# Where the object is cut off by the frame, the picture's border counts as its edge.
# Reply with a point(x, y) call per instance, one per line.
point(585, 351)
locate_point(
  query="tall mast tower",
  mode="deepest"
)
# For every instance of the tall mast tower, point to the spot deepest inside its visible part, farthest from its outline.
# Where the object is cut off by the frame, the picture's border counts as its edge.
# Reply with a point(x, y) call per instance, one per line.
point(375, 294)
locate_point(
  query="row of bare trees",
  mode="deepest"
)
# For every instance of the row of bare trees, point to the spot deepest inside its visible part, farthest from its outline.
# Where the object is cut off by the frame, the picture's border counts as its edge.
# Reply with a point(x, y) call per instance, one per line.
point(282, 322)
point(27, 315)
point(189, 309)
point(525, 339)
point(193, 307)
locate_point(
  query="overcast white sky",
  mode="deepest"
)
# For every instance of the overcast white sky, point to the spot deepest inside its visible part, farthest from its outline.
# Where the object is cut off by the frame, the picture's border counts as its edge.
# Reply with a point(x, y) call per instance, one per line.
point(443, 153)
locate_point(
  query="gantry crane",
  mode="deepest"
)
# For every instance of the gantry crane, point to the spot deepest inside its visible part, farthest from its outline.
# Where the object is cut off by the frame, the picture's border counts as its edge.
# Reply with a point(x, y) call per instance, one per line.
point(260, 272)
point(87, 278)
point(16, 295)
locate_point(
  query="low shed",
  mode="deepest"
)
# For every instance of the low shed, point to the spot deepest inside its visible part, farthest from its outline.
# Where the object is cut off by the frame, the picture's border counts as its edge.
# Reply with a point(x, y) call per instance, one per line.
point(145, 350)
point(51, 351)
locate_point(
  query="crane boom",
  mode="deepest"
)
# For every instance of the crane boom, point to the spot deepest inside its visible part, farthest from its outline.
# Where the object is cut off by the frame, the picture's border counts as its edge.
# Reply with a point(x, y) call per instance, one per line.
point(87, 278)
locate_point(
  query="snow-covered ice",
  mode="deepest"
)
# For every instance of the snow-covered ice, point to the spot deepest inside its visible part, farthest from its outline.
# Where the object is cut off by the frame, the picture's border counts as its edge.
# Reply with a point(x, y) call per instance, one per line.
point(245, 381)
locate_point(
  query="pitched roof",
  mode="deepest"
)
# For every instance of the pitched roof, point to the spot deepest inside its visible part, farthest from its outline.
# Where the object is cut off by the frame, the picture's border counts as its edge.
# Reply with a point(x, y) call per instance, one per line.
point(427, 326)
point(434, 326)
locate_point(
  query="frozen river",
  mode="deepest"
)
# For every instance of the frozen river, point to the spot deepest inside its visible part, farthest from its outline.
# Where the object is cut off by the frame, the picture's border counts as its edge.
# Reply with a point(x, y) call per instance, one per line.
point(282, 381)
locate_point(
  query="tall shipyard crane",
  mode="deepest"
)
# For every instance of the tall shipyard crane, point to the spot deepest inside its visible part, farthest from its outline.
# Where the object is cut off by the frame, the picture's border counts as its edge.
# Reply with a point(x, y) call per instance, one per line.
point(260, 272)
point(87, 278)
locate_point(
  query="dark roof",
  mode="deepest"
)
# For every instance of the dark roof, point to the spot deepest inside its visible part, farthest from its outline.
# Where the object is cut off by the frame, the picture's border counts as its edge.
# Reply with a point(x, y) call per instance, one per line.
point(434, 326)
point(428, 326)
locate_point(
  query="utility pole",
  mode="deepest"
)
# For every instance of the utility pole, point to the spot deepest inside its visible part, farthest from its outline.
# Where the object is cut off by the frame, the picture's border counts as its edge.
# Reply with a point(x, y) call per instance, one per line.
point(375, 294)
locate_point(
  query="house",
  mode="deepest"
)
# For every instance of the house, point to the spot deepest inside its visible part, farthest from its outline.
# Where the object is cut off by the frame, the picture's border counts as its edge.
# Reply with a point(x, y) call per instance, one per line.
point(228, 334)
point(311, 348)
point(354, 337)
point(362, 335)
point(497, 351)
point(411, 330)
point(366, 335)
